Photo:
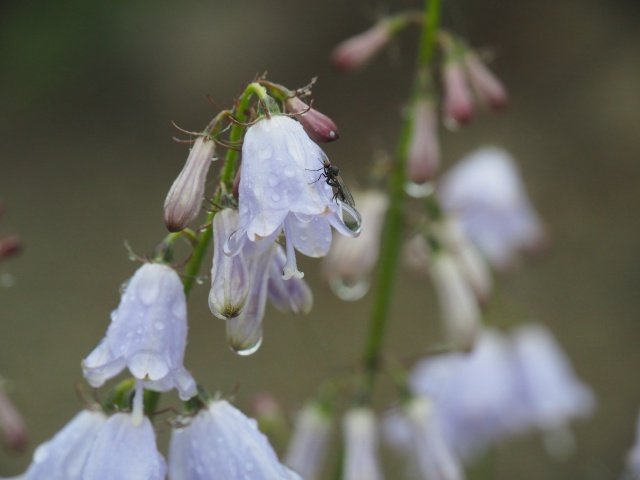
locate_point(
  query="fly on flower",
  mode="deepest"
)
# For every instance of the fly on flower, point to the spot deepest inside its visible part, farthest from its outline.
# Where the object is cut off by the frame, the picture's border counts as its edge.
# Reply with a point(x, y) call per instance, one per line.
point(331, 173)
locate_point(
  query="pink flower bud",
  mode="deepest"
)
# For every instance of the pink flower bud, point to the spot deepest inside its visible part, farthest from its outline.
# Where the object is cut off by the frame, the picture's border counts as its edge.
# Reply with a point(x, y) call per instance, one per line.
point(184, 199)
point(318, 126)
point(11, 424)
point(486, 86)
point(10, 246)
point(356, 51)
point(424, 152)
point(458, 106)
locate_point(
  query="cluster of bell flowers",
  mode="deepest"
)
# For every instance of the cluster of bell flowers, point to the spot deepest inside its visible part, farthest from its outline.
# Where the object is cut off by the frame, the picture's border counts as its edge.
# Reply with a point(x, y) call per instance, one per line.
point(147, 336)
point(279, 192)
point(283, 188)
point(510, 384)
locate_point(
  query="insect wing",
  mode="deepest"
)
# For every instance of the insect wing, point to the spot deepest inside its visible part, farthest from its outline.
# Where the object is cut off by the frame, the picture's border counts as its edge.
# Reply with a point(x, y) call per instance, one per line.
point(344, 192)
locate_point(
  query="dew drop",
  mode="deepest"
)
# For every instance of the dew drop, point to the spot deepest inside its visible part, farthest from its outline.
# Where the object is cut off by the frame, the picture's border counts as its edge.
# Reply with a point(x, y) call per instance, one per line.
point(273, 180)
point(139, 330)
point(276, 197)
point(159, 326)
point(349, 290)
point(201, 279)
point(418, 190)
point(351, 218)
point(289, 171)
point(246, 350)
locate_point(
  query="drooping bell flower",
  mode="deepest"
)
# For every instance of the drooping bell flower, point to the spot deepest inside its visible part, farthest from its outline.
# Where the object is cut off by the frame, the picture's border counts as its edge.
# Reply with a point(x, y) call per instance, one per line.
point(64, 456)
point(361, 460)
point(282, 188)
point(414, 430)
point(424, 148)
point(221, 443)
point(486, 193)
point(309, 441)
point(147, 334)
point(357, 51)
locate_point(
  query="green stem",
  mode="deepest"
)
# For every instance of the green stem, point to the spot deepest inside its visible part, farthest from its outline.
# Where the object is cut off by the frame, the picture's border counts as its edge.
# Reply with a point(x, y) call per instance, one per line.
point(391, 241)
point(192, 270)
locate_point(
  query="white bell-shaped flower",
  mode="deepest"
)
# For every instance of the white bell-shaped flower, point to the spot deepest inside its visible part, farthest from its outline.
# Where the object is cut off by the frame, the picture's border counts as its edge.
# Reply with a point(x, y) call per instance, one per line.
point(282, 187)
point(125, 449)
point(361, 460)
point(485, 191)
point(148, 334)
point(309, 442)
point(221, 443)
point(65, 455)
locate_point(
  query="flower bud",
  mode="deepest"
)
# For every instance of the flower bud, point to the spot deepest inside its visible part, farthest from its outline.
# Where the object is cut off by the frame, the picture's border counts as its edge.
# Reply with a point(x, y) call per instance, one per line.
point(184, 199)
point(229, 275)
point(356, 51)
point(309, 441)
point(472, 265)
point(360, 446)
point(318, 126)
point(10, 246)
point(424, 150)
point(458, 104)
point(11, 423)
point(459, 308)
point(486, 86)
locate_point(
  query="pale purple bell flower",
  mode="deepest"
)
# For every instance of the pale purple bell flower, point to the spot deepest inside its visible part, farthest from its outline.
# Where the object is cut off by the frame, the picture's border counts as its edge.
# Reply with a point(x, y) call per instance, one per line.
point(282, 189)
point(549, 389)
point(414, 431)
point(309, 442)
point(229, 275)
point(475, 394)
point(244, 332)
point(184, 200)
point(486, 86)
point(460, 311)
point(485, 191)
point(147, 334)
point(361, 458)
point(125, 449)
point(64, 456)
point(288, 296)
point(221, 443)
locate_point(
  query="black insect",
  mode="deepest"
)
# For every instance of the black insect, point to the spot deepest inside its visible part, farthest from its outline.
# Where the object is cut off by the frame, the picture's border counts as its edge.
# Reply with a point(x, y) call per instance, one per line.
point(331, 173)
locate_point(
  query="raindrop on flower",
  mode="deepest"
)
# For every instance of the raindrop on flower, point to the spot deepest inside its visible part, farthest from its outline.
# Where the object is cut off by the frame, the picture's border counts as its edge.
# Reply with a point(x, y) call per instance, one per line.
point(349, 290)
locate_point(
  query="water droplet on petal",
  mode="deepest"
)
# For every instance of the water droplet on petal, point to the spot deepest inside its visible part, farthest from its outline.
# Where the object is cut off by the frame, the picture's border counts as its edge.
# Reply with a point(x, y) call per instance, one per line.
point(351, 218)
point(276, 197)
point(159, 326)
point(289, 171)
point(273, 179)
point(349, 290)
point(246, 350)
point(418, 190)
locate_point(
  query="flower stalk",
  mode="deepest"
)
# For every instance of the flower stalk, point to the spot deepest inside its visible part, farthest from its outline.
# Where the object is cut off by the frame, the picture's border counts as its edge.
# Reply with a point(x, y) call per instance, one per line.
point(390, 250)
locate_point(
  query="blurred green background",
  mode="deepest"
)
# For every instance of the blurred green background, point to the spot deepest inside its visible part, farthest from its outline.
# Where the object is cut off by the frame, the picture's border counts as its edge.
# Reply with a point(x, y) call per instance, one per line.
point(86, 158)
